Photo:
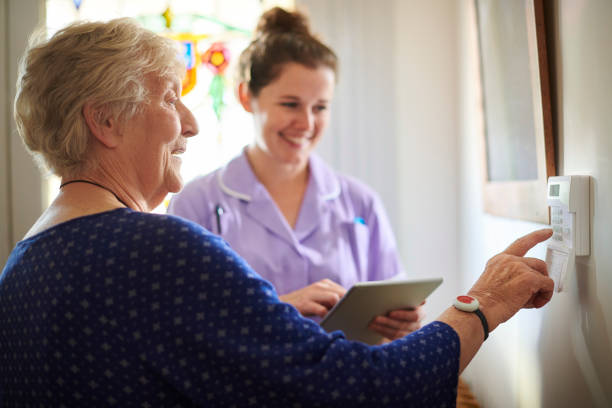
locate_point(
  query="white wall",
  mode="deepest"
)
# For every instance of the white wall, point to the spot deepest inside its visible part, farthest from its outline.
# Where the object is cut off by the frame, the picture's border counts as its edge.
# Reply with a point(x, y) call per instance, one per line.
point(21, 201)
point(361, 137)
point(394, 120)
point(4, 145)
point(426, 85)
point(561, 355)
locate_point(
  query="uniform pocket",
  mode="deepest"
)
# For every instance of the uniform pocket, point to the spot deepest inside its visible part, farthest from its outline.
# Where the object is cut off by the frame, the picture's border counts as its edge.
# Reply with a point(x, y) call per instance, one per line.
point(358, 238)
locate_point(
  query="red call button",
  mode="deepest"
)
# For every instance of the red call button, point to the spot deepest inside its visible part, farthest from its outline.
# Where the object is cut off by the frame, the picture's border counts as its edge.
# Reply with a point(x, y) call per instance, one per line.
point(466, 303)
point(465, 299)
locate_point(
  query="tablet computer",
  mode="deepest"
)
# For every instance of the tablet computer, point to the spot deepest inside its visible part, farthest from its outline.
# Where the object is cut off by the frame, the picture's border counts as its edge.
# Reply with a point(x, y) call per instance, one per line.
point(366, 300)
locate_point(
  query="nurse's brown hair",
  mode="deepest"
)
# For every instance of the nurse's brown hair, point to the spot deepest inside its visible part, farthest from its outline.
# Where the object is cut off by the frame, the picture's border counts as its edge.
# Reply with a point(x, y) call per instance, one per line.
point(281, 37)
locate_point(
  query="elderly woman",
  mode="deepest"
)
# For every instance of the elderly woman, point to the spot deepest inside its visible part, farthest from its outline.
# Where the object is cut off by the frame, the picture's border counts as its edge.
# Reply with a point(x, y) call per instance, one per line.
point(103, 304)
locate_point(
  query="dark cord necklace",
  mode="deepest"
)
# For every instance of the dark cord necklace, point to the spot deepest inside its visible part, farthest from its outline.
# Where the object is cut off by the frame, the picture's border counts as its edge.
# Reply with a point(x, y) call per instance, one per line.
point(97, 185)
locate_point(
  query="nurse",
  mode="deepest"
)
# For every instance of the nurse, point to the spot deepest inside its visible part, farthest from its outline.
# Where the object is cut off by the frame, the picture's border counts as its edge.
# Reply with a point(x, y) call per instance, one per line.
point(310, 231)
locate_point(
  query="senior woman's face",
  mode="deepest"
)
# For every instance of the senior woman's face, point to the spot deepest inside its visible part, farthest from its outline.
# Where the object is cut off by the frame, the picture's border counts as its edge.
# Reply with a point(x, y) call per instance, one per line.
point(157, 136)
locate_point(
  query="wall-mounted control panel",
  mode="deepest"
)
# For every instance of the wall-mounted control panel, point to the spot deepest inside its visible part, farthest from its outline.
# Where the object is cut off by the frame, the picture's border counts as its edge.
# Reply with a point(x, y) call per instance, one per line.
point(569, 201)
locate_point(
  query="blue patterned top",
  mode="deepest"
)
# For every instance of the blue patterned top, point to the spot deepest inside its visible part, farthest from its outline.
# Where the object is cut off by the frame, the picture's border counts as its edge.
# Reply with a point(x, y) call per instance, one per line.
point(127, 309)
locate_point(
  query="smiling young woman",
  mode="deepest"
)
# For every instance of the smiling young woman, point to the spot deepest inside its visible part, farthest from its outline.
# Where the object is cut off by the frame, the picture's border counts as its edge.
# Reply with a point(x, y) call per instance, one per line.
point(291, 115)
point(309, 230)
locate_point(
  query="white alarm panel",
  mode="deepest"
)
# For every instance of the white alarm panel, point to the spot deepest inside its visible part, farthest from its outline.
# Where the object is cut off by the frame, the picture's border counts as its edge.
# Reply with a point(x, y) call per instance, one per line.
point(568, 198)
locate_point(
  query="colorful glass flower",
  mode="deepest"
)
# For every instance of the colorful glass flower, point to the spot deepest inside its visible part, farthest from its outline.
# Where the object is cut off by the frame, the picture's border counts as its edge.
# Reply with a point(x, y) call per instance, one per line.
point(216, 58)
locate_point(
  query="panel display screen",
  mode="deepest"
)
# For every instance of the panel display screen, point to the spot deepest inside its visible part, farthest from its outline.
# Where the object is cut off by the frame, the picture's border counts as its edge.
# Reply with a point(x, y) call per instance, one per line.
point(554, 190)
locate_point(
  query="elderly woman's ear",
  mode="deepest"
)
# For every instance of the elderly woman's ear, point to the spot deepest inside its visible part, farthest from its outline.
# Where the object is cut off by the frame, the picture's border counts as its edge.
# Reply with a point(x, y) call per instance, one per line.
point(104, 127)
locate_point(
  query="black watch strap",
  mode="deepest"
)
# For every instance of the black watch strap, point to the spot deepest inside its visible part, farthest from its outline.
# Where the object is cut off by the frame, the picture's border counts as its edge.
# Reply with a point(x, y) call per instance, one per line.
point(483, 320)
point(470, 304)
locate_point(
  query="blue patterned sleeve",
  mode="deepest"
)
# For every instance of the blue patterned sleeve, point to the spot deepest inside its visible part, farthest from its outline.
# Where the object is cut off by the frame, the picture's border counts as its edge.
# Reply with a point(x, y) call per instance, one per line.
point(220, 333)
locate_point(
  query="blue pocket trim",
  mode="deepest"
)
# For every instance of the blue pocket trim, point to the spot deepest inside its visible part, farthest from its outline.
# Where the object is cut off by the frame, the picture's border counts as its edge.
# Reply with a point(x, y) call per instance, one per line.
point(359, 220)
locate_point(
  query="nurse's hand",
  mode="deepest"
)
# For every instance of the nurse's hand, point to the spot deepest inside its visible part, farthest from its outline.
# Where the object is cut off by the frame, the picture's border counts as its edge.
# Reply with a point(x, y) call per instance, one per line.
point(398, 323)
point(315, 299)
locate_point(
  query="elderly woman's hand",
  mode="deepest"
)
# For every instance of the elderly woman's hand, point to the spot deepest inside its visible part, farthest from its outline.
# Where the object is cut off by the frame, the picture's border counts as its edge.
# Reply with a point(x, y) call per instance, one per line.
point(398, 323)
point(511, 281)
point(315, 299)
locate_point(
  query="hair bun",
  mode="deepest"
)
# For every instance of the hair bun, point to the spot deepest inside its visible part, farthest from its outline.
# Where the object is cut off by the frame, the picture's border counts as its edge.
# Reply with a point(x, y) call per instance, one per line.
point(278, 20)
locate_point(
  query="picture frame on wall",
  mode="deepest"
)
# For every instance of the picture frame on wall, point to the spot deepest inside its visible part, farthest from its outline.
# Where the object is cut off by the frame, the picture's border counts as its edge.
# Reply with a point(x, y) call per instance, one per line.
point(519, 151)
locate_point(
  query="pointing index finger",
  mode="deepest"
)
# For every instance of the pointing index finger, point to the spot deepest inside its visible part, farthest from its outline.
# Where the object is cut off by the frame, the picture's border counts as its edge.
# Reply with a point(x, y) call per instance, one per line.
point(525, 243)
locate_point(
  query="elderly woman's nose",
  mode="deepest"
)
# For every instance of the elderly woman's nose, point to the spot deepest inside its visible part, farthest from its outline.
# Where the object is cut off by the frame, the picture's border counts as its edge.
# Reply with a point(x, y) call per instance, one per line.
point(189, 123)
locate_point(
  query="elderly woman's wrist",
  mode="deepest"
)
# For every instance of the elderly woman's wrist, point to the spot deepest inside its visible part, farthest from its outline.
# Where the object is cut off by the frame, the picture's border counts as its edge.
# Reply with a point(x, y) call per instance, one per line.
point(489, 307)
point(467, 325)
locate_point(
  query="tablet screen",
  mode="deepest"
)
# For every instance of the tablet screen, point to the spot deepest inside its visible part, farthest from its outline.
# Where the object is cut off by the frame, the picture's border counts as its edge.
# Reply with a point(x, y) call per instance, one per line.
point(366, 300)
